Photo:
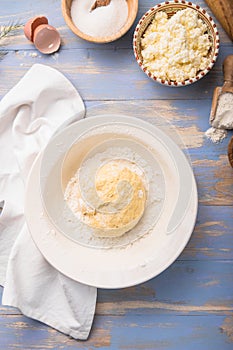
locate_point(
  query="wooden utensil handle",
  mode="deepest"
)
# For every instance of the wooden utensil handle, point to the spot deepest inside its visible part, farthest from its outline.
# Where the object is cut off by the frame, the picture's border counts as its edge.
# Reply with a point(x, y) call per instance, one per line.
point(228, 69)
point(223, 10)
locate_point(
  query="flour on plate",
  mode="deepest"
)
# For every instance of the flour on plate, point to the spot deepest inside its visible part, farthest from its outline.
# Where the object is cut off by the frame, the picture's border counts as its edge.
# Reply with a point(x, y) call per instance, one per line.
point(153, 185)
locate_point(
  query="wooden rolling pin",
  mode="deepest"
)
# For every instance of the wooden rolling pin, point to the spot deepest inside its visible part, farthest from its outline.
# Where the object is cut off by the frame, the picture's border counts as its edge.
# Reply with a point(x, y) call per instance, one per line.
point(223, 11)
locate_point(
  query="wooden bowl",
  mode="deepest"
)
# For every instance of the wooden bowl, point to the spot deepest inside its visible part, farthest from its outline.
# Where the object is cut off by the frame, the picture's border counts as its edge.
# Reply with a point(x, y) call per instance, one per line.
point(230, 152)
point(132, 13)
point(171, 7)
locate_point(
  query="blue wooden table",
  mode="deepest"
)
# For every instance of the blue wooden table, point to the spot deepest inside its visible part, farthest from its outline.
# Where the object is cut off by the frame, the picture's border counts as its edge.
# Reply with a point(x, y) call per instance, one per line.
point(190, 305)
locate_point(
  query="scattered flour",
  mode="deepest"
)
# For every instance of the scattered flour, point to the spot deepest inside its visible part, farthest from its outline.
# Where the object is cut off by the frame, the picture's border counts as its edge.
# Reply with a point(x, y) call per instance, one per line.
point(33, 54)
point(216, 135)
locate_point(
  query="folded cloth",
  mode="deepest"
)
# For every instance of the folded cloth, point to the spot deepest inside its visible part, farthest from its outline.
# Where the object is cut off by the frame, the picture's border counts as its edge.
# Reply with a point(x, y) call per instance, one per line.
point(40, 104)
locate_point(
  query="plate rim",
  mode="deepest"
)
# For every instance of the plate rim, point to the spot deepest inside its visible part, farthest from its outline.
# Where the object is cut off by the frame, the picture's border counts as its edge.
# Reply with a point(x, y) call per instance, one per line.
point(119, 284)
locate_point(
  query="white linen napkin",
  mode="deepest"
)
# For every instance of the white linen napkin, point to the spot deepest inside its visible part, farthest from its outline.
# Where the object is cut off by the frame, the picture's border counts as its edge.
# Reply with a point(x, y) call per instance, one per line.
point(43, 101)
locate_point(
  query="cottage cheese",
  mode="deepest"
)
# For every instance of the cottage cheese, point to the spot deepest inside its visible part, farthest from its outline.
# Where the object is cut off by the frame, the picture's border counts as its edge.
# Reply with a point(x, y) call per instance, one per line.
point(176, 48)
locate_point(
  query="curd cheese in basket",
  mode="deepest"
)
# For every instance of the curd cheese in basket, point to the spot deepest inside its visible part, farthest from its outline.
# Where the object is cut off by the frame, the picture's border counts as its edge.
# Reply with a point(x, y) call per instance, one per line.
point(176, 48)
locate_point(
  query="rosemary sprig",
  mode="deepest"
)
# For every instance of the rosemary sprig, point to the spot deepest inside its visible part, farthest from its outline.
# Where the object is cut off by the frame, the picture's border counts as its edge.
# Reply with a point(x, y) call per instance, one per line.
point(3, 54)
point(8, 30)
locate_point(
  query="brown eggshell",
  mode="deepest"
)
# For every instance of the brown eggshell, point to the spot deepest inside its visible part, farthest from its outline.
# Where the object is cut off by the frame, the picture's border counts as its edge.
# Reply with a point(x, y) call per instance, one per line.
point(32, 24)
point(46, 39)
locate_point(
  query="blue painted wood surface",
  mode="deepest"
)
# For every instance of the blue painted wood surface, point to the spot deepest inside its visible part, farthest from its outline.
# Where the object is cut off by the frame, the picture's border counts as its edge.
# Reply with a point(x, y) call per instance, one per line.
point(190, 305)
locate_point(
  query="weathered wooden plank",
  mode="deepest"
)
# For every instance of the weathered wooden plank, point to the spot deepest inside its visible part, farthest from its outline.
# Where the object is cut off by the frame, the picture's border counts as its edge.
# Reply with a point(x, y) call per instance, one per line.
point(212, 236)
point(190, 118)
point(215, 181)
point(131, 332)
point(190, 305)
point(100, 75)
point(211, 239)
point(185, 288)
point(22, 11)
point(195, 287)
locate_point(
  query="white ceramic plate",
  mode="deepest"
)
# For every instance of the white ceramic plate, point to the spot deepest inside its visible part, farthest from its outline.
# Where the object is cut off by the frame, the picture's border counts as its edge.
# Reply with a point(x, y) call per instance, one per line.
point(121, 265)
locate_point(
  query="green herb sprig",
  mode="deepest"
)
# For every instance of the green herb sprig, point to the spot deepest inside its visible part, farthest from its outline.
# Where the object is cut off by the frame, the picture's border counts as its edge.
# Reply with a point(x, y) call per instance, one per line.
point(6, 31)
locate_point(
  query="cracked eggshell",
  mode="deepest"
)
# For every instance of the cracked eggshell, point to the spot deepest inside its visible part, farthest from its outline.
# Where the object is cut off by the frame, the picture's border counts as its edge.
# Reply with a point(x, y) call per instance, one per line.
point(32, 24)
point(46, 39)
